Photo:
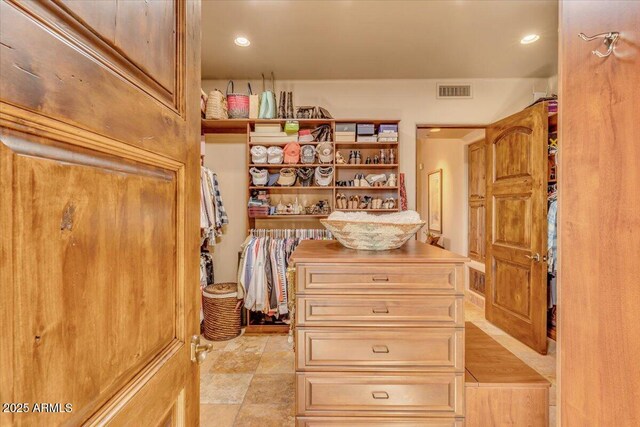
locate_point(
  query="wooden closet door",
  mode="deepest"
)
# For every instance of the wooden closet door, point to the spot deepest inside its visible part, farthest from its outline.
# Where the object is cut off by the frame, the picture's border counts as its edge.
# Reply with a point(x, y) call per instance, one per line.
point(99, 211)
point(516, 226)
point(477, 191)
point(599, 217)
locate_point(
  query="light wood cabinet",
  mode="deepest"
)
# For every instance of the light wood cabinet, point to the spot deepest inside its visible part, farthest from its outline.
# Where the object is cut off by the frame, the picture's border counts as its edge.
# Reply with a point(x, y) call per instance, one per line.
point(379, 336)
point(477, 190)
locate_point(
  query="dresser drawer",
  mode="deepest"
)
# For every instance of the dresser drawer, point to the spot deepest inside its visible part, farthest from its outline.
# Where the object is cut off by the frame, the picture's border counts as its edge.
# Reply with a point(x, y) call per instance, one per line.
point(380, 279)
point(441, 310)
point(345, 394)
point(377, 422)
point(349, 349)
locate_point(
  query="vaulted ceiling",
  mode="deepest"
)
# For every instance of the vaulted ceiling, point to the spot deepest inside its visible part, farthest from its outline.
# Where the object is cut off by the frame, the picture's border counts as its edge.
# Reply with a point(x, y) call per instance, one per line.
point(363, 39)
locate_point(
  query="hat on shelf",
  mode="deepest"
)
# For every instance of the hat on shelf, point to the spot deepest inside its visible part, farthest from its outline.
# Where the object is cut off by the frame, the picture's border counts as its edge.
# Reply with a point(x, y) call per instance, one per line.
point(325, 152)
point(306, 176)
point(258, 154)
point(292, 153)
point(308, 155)
point(287, 177)
point(275, 155)
point(324, 175)
point(259, 177)
point(273, 179)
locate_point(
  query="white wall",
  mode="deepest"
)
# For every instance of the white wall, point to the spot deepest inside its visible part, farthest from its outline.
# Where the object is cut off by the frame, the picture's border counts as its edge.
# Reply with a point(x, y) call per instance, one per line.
point(412, 101)
point(450, 155)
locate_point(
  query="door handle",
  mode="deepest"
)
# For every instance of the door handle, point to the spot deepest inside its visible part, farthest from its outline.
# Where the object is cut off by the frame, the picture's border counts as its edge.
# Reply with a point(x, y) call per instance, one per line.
point(199, 351)
point(380, 395)
point(380, 310)
point(380, 349)
point(380, 278)
point(536, 257)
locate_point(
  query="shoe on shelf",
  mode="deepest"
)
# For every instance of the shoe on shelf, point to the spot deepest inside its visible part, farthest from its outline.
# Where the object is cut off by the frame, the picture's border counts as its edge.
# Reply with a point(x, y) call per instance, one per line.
point(358, 157)
point(392, 181)
point(340, 158)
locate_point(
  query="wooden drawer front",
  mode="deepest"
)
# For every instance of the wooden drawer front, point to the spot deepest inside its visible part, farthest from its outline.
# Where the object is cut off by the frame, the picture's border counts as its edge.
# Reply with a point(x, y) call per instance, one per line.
point(444, 310)
point(380, 279)
point(436, 349)
point(377, 422)
point(386, 394)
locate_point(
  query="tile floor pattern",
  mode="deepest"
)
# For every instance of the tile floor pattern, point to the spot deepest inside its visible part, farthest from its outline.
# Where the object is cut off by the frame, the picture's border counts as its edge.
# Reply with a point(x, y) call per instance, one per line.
point(249, 381)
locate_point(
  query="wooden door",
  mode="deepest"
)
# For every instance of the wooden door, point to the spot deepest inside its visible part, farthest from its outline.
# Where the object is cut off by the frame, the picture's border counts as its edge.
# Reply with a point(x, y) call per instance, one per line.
point(516, 226)
point(99, 211)
point(599, 217)
point(477, 190)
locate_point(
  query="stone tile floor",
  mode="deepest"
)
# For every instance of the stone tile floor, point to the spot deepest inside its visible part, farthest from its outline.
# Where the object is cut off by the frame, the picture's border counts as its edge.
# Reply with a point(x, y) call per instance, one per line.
point(249, 381)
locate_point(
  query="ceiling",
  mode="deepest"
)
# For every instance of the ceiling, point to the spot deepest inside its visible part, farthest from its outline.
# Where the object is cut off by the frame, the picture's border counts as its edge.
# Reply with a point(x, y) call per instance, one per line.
point(362, 39)
point(446, 133)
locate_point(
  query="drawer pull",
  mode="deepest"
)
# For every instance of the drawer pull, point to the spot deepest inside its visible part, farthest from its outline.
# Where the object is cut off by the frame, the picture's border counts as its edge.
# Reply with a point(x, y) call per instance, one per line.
point(380, 395)
point(381, 310)
point(380, 349)
point(380, 278)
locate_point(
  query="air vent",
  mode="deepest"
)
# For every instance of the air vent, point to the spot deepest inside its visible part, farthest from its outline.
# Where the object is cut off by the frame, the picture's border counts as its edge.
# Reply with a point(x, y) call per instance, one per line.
point(456, 91)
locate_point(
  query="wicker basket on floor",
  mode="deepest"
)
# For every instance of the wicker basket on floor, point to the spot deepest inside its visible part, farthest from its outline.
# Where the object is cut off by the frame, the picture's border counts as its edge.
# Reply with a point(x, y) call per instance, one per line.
point(221, 318)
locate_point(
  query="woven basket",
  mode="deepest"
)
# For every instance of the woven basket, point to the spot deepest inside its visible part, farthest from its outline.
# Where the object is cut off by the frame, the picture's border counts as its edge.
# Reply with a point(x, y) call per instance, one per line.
point(238, 104)
point(216, 106)
point(371, 236)
point(221, 319)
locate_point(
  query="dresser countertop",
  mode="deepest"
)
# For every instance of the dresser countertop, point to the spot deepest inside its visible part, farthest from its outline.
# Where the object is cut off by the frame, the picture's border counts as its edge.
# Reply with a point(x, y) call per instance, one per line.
point(333, 252)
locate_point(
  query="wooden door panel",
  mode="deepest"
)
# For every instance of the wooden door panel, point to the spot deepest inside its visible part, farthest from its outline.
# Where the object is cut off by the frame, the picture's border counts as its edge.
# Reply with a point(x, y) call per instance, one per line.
point(512, 154)
point(599, 217)
point(477, 170)
point(476, 229)
point(95, 86)
point(512, 219)
point(99, 170)
point(154, 51)
point(516, 225)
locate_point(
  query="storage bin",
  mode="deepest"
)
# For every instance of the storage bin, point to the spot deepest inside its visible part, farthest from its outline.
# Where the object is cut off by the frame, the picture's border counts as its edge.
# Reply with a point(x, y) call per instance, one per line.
point(221, 318)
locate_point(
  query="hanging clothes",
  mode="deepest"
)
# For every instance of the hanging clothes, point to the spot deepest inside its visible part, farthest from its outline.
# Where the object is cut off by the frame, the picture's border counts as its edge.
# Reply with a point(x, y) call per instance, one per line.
point(213, 215)
point(262, 275)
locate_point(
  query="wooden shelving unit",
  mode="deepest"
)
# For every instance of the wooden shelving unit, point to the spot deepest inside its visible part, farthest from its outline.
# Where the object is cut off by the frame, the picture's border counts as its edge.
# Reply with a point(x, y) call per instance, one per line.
point(311, 194)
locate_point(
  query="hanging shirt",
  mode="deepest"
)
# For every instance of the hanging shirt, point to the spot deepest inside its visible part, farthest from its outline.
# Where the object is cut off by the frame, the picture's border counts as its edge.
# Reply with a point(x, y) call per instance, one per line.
point(552, 237)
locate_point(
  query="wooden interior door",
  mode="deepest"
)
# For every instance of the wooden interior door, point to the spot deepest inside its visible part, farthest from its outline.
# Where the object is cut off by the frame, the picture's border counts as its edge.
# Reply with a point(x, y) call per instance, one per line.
point(516, 226)
point(99, 211)
point(477, 192)
point(599, 216)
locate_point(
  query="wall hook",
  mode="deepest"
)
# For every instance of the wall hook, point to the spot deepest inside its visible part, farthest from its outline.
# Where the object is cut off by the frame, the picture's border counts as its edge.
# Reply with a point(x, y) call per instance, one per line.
point(610, 40)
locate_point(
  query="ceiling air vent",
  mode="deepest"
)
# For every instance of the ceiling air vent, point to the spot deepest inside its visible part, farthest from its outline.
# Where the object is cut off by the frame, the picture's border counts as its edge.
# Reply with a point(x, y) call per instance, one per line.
point(454, 91)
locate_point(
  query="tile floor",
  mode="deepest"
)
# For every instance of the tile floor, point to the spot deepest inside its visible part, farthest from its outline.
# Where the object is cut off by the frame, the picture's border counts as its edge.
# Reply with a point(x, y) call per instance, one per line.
point(249, 381)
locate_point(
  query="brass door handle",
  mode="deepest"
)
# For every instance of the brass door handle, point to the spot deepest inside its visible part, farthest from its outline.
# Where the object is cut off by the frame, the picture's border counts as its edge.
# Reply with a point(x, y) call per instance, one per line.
point(380, 310)
point(199, 351)
point(380, 349)
point(535, 257)
point(380, 278)
point(380, 395)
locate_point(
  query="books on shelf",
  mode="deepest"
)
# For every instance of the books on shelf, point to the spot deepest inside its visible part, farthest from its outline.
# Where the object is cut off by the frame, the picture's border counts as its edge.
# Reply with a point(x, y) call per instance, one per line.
point(386, 139)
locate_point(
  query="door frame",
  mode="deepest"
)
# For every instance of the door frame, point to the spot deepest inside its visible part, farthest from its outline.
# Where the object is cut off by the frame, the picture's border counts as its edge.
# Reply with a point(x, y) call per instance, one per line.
point(417, 151)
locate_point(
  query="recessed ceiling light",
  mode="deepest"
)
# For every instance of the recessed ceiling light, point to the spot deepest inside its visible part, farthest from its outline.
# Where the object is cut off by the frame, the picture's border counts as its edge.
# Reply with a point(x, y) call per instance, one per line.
point(433, 130)
point(528, 39)
point(242, 41)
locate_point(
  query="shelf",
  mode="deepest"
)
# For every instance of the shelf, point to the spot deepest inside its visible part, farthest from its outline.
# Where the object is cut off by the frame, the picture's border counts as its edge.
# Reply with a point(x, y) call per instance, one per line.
point(288, 216)
point(284, 165)
point(366, 144)
point(276, 144)
point(240, 125)
point(374, 121)
point(294, 188)
point(368, 210)
point(363, 166)
point(383, 188)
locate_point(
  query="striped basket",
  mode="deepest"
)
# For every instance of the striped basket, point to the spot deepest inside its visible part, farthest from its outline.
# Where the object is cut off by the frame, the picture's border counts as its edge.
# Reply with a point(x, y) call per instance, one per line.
point(221, 318)
point(371, 236)
point(238, 103)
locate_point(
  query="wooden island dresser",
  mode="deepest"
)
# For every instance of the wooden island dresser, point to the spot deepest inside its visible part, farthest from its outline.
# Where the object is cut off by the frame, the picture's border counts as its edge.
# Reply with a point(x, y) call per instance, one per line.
point(379, 336)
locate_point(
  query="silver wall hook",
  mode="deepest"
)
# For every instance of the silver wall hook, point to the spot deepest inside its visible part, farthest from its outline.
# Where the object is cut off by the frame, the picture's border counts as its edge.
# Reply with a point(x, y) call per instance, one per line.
point(610, 40)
